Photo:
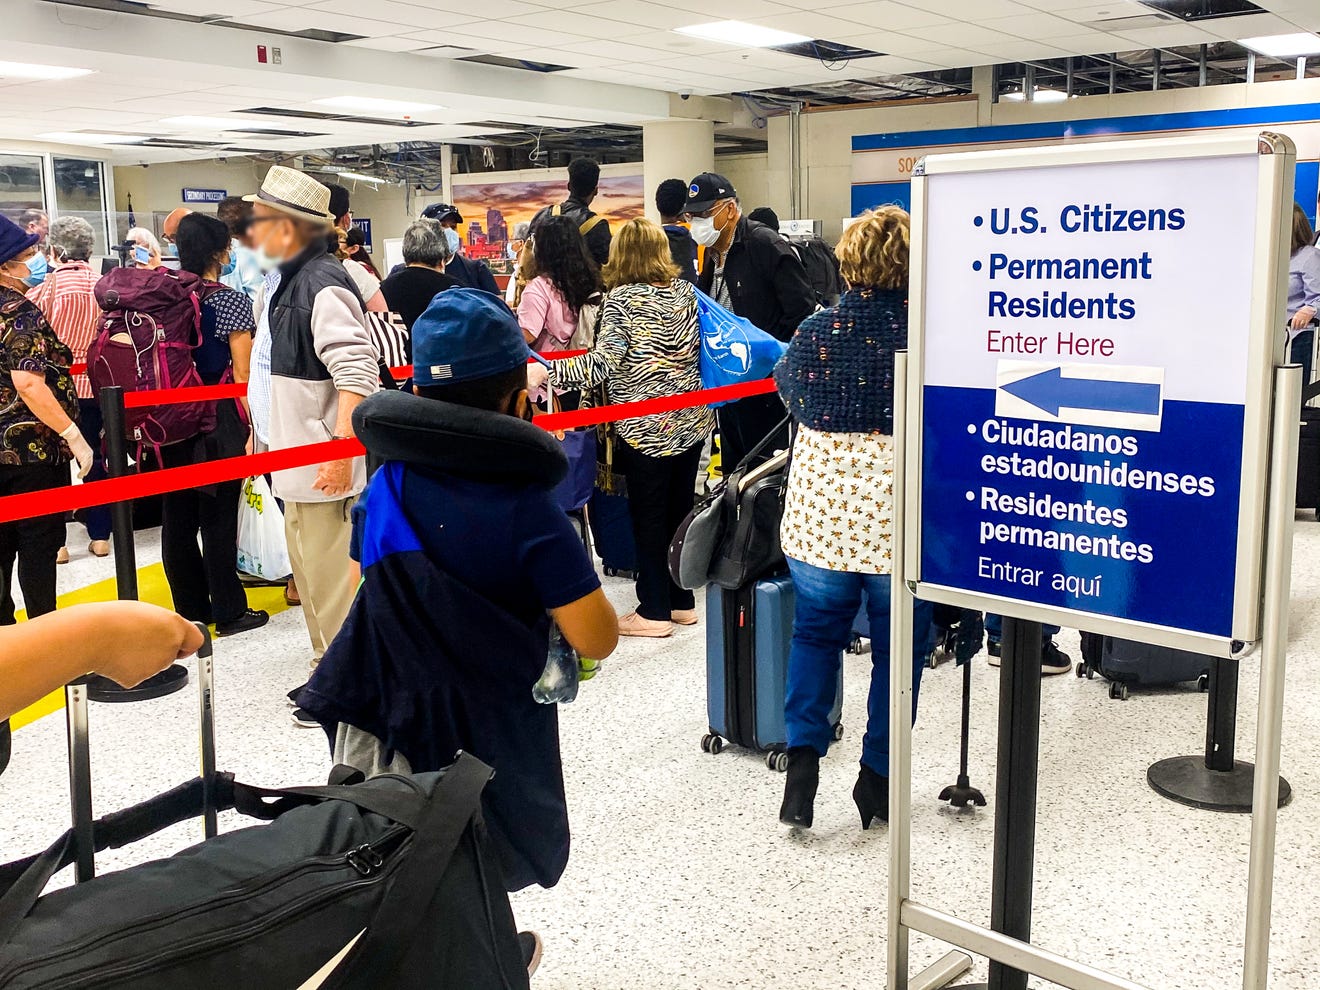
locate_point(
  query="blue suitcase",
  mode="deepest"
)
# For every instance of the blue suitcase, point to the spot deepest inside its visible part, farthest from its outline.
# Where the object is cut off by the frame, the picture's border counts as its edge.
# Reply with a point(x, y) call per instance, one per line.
point(1126, 663)
point(612, 533)
point(748, 633)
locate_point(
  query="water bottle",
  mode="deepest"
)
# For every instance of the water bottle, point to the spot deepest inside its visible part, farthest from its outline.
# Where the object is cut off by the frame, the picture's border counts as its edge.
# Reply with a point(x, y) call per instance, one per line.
point(559, 680)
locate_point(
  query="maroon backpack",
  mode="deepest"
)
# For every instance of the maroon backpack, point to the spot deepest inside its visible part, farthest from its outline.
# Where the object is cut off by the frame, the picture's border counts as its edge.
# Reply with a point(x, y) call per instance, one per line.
point(151, 325)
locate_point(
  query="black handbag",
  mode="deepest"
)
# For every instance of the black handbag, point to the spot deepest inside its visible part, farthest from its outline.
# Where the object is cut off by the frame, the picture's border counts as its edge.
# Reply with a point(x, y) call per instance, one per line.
point(732, 537)
point(387, 883)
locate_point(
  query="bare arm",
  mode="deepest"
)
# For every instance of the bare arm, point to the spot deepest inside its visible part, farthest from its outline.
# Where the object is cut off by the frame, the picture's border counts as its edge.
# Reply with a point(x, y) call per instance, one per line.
point(38, 397)
point(126, 641)
point(240, 354)
point(590, 625)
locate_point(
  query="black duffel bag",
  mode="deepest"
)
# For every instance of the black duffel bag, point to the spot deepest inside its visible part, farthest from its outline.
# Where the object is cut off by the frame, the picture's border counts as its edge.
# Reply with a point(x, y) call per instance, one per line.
point(732, 537)
point(387, 883)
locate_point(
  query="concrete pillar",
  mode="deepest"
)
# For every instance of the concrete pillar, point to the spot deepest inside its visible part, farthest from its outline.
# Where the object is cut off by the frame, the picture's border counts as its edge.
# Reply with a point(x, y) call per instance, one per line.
point(674, 149)
point(983, 85)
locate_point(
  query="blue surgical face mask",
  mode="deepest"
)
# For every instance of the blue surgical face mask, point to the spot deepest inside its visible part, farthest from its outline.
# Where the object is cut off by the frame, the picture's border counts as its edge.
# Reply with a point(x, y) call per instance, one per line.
point(228, 267)
point(171, 250)
point(37, 268)
point(451, 236)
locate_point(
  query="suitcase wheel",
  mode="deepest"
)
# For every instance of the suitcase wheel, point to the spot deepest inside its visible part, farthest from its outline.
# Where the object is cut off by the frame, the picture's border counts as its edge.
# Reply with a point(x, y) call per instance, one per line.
point(857, 647)
point(712, 744)
point(775, 760)
point(838, 732)
point(1203, 683)
point(1118, 691)
point(1084, 669)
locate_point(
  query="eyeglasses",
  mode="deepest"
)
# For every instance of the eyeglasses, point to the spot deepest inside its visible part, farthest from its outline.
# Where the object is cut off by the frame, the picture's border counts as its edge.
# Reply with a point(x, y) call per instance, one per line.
point(707, 214)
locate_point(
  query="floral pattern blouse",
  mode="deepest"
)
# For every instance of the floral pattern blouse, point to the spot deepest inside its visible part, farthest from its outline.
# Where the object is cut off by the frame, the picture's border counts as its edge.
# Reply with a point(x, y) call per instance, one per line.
point(28, 343)
point(839, 510)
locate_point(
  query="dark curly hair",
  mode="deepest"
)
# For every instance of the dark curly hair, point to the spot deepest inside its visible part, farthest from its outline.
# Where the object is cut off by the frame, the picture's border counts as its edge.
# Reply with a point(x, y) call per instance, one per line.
point(201, 239)
point(562, 257)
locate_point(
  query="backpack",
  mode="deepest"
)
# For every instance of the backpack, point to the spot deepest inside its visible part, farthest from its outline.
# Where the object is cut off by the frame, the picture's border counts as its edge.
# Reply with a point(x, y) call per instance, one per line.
point(586, 226)
point(151, 325)
point(584, 337)
point(822, 269)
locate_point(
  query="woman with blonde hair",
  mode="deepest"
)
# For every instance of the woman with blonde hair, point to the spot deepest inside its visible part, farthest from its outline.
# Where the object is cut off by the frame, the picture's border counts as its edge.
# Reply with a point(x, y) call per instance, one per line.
point(837, 379)
point(647, 347)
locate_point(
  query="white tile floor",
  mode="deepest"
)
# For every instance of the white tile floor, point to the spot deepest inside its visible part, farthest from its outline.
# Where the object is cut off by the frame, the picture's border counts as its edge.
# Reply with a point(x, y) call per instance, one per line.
point(681, 877)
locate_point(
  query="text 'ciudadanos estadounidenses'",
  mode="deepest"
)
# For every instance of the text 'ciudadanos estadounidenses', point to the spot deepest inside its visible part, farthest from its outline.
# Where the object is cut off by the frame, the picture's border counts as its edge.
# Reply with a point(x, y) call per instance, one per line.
point(1083, 218)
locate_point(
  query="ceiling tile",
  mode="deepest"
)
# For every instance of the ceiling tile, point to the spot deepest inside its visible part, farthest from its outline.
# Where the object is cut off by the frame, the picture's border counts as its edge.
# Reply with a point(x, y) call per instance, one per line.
point(1022, 51)
point(889, 42)
point(1037, 25)
point(392, 44)
point(974, 10)
point(1252, 26)
point(616, 51)
point(404, 16)
point(677, 44)
point(1169, 36)
point(954, 58)
point(961, 35)
point(885, 14)
point(1091, 43)
point(652, 15)
point(580, 25)
point(737, 10)
point(302, 19)
point(822, 26)
point(235, 9)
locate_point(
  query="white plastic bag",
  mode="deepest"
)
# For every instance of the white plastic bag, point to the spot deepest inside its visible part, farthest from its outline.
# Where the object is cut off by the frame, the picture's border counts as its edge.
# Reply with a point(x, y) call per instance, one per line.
point(262, 550)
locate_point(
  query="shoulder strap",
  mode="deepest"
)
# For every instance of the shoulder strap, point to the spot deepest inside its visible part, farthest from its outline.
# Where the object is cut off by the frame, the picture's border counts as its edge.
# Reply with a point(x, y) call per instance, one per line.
point(587, 226)
point(556, 210)
point(453, 806)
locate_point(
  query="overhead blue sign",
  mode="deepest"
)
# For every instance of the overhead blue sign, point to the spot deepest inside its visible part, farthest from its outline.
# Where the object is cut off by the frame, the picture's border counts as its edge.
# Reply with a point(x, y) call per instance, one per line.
point(1085, 354)
point(204, 195)
point(364, 224)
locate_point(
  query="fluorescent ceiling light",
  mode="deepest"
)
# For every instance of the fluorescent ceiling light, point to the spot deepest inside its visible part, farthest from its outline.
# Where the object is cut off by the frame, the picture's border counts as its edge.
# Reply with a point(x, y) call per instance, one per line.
point(369, 104)
point(26, 70)
point(215, 123)
point(742, 35)
point(360, 177)
point(1285, 45)
point(73, 137)
point(1040, 96)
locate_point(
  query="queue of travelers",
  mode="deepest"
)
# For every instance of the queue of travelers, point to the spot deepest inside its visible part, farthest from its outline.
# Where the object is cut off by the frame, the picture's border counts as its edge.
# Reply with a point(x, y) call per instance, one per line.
point(457, 528)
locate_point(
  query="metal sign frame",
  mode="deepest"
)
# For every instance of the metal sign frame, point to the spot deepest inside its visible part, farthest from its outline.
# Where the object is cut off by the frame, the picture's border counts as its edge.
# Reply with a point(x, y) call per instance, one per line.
point(1269, 474)
point(1277, 156)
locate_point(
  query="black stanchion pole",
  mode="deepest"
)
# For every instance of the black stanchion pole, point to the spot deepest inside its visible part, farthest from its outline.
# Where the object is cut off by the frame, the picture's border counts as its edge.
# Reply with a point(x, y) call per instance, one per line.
point(174, 678)
point(1015, 794)
point(1216, 781)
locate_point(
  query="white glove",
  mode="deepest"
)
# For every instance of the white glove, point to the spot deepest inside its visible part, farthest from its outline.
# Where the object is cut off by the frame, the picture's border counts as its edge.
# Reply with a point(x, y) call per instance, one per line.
point(78, 447)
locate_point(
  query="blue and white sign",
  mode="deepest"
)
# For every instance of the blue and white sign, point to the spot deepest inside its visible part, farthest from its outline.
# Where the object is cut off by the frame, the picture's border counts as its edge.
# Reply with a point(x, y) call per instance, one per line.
point(204, 195)
point(1092, 360)
point(364, 224)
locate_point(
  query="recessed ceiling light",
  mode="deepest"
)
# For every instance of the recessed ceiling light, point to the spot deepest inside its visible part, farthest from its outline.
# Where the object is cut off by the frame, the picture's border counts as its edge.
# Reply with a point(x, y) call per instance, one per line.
point(26, 70)
point(73, 137)
point(1040, 96)
point(215, 123)
point(1285, 45)
point(743, 35)
point(369, 104)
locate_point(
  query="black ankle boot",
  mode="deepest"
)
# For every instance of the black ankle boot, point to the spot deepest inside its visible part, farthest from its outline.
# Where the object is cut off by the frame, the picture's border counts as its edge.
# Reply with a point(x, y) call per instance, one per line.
point(871, 795)
point(800, 787)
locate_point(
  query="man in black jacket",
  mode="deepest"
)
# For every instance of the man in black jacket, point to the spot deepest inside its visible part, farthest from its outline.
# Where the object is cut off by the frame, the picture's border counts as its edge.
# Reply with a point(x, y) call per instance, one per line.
point(467, 272)
point(671, 202)
point(583, 184)
point(754, 272)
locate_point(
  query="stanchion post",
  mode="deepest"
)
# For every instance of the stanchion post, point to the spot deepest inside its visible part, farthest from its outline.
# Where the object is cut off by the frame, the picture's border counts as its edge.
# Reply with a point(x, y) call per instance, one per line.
point(1273, 660)
point(121, 513)
point(80, 781)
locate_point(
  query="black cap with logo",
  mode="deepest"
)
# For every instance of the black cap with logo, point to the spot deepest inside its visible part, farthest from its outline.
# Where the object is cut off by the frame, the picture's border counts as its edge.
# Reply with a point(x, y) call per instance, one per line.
point(442, 212)
point(706, 190)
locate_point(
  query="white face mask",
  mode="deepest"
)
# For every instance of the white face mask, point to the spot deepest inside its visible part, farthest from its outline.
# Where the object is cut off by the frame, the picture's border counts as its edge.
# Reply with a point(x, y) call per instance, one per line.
point(704, 231)
point(266, 262)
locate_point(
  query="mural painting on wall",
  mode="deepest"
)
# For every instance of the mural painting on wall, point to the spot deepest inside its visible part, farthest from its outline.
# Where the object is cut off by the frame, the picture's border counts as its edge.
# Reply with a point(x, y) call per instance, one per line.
point(492, 211)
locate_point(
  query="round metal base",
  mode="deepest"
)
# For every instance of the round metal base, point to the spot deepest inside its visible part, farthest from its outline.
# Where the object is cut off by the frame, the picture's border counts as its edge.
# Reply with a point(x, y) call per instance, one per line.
point(1186, 779)
point(169, 680)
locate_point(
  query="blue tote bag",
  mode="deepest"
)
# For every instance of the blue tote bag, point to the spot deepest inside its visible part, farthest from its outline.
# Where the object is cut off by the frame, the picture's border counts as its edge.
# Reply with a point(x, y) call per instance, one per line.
point(732, 349)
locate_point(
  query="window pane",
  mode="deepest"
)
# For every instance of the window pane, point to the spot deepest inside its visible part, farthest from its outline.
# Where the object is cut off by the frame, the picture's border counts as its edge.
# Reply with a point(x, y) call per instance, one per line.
point(21, 186)
point(80, 191)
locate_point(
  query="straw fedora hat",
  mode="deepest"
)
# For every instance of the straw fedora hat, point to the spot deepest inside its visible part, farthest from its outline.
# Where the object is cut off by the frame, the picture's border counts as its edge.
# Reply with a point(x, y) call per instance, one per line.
point(294, 193)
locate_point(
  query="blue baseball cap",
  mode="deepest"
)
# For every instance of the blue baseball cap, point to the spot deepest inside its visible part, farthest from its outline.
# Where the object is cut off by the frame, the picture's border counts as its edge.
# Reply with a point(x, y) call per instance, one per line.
point(466, 334)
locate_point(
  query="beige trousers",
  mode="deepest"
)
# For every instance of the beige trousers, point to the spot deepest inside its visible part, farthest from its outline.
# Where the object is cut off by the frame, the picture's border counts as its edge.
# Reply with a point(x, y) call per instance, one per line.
point(318, 534)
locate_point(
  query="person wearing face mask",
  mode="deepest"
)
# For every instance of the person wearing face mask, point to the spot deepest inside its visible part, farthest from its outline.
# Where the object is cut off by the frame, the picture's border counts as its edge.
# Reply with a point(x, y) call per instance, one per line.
point(754, 272)
point(66, 298)
point(466, 272)
point(313, 362)
point(38, 427)
point(147, 254)
point(203, 582)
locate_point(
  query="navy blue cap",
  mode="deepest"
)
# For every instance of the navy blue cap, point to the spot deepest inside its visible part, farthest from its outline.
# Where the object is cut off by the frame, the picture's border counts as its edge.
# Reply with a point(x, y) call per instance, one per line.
point(466, 334)
point(14, 240)
point(706, 190)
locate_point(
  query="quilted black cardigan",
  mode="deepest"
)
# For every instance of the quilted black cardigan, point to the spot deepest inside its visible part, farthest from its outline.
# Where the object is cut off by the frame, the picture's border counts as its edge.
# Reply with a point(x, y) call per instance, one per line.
point(837, 375)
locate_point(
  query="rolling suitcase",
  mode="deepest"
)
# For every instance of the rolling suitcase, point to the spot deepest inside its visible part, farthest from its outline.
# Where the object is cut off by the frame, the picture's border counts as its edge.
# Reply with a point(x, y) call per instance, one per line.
point(389, 882)
point(1125, 663)
point(748, 632)
point(1308, 451)
point(612, 533)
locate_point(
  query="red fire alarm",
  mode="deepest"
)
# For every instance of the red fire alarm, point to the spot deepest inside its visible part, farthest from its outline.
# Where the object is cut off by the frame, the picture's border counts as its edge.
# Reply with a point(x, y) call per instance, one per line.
point(261, 54)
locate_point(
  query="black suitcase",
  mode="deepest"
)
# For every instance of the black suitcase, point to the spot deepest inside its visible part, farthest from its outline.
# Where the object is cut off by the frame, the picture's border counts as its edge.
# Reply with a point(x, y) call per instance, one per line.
point(386, 883)
point(612, 533)
point(1125, 663)
point(1308, 452)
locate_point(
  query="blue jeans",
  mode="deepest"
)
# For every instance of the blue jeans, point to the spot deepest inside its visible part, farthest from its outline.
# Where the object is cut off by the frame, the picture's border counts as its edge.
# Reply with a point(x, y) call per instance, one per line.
point(1301, 351)
point(994, 628)
point(827, 605)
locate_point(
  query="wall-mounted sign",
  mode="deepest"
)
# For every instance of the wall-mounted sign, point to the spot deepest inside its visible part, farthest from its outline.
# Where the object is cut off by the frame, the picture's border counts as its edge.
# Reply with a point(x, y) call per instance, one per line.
point(364, 224)
point(204, 195)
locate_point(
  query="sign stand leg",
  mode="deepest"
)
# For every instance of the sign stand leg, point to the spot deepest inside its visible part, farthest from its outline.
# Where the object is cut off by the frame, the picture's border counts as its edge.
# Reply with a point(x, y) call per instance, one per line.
point(1015, 793)
point(1217, 782)
point(175, 677)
